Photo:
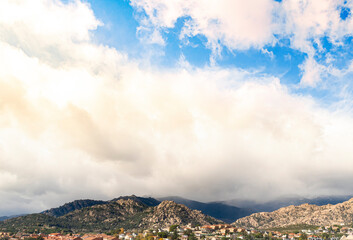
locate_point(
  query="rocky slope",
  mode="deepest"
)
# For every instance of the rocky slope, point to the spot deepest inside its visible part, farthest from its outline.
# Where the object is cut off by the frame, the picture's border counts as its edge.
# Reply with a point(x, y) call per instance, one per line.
point(169, 212)
point(302, 214)
point(217, 210)
point(144, 200)
point(2, 218)
point(127, 212)
point(72, 206)
point(79, 204)
point(280, 202)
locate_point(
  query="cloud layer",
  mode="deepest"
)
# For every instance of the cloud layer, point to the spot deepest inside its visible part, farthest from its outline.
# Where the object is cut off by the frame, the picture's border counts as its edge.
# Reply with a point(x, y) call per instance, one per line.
point(239, 25)
point(81, 120)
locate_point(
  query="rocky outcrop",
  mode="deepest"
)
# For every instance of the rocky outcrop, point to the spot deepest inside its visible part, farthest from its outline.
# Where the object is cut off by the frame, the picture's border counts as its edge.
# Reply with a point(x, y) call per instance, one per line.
point(302, 214)
point(168, 213)
point(72, 206)
point(217, 210)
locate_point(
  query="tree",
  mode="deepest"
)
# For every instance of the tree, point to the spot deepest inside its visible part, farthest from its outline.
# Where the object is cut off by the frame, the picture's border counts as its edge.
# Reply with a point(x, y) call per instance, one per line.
point(303, 236)
point(188, 232)
point(325, 236)
point(270, 235)
point(258, 235)
point(192, 237)
point(162, 234)
point(175, 235)
point(150, 238)
point(172, 228)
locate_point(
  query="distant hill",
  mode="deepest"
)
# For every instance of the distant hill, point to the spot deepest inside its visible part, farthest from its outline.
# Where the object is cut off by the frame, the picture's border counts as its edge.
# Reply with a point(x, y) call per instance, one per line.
point(127, 212)
point(79, 204)
point(341, 213)
point(144, 200)
point(72, 206)
point(286, 201)
point(217, 210)
point(9, 217)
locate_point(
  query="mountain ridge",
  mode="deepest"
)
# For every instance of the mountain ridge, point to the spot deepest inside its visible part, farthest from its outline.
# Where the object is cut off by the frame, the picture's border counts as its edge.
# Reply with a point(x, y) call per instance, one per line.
point(224, 212)
point(72, 206)
point(128, 212)
point(341, 213)
point(272, 205)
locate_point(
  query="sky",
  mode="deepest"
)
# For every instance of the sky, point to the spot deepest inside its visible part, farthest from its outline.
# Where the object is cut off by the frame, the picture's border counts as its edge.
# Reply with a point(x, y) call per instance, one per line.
point(208, 100)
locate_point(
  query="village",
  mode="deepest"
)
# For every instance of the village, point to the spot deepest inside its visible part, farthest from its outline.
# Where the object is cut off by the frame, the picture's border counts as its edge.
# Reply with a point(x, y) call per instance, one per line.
point(190, 232)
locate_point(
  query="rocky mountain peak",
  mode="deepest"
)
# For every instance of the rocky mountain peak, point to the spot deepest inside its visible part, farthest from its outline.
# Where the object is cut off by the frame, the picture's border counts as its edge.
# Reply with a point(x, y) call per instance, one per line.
point(72, 206)
point(170, 205)
point(128, 212)
point(302, 214)
point(168, 213)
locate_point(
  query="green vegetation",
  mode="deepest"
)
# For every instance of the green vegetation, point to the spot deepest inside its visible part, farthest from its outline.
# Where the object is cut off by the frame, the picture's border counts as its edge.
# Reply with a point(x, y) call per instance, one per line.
point(190, 234)
point(293, 228)
point(108, 217)
point(84, 220)
point(163, 234)
point(303, 236)
point(174, 227)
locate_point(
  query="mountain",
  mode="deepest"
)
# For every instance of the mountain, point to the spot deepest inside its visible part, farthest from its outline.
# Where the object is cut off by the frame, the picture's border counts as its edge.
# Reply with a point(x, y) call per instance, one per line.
point(217, 210)
point(303, 214)
point(275, 204)
point(79, 204)
point(147, 201)
point(127, 212)
point(169, 212)
point(72, 206)
point(9, 217)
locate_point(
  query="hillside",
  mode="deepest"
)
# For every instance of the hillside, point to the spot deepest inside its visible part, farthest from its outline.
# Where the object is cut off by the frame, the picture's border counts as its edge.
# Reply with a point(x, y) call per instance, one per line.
point(72, 206)
point(280, 202)
point(127, 212)
point(2, 218)
point(169, 212)
point(147, 201)
point(302, 214)
point(217, 210)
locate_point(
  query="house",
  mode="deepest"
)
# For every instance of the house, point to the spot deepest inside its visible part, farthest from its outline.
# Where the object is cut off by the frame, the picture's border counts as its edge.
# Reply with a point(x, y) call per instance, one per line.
point(184, 237)
point(314, 237)
point(129, 237)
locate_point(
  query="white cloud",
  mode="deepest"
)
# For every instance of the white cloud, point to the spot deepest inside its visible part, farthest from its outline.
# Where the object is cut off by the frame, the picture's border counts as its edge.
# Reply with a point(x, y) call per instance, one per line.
point(236, 24)
point(312, 72)
point(269, 53)
point(78, 120)
point(241, 25)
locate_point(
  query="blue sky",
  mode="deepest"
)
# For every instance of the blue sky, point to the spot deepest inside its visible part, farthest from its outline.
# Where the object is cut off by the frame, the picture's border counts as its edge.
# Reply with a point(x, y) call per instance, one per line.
point(278, 58)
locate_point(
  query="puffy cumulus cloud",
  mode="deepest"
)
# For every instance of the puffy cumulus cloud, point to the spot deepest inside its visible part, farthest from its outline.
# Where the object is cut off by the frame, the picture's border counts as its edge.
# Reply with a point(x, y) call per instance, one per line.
point(241, 25)
point(236, 24)
point(79, 120)
point(307, 21)
point(46, 28)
